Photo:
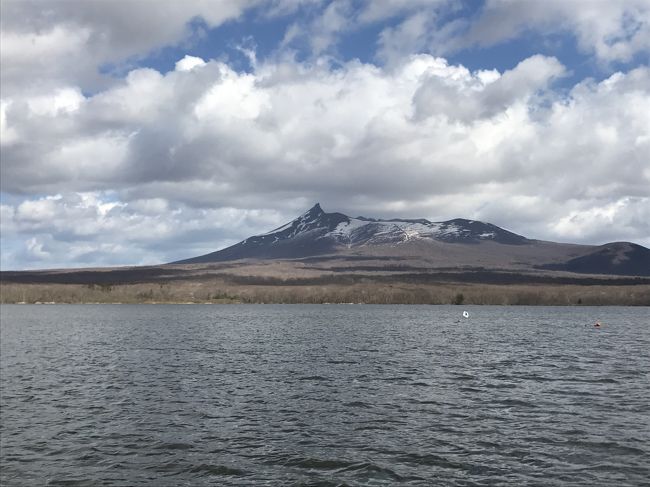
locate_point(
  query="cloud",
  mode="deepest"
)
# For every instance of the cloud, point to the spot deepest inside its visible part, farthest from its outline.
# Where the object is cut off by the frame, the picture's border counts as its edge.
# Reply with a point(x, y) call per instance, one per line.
point(7, 134)
point(484, 94)
point(409, 36)
point(63, 42)
point(611, 31)
point(592, 218)
point(324, 29)
point(180, 151)
point(335, 18)
point(376, 11)
point(188, 63)
point(94, 229)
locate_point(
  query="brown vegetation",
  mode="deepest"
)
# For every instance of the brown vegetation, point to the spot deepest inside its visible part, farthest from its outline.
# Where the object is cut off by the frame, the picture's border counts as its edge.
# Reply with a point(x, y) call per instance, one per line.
point(218, 291)
point(321, 282)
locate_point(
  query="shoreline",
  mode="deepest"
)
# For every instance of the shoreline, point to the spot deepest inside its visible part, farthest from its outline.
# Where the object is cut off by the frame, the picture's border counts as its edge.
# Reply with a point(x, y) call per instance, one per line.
point(178, 303)
point(358, 293)
point(296, 282)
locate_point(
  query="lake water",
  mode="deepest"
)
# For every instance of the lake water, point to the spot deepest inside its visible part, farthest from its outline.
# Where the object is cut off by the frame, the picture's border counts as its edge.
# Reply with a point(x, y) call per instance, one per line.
point(324, 395)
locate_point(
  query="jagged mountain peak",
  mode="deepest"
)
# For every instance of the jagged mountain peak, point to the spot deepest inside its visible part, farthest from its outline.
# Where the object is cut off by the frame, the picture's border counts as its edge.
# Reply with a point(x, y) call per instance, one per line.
point(313, 212)
point(316, 232)
point(313, 219)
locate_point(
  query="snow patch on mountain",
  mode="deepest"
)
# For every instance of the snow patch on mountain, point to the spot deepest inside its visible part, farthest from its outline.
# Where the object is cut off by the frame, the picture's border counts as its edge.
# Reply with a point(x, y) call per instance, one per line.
point(363, 231)
point(343, 230)
point(277, 230)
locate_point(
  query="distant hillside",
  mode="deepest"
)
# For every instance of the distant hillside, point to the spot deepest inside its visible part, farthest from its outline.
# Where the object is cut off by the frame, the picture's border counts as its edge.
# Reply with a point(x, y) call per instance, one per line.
point(618, 258)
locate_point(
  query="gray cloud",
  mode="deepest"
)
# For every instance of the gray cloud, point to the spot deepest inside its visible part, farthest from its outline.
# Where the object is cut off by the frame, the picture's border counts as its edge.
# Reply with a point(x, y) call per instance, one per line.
point(611, 31)
point(485, 95)
point(94, 229)
point(608, 31)
point(64, 42)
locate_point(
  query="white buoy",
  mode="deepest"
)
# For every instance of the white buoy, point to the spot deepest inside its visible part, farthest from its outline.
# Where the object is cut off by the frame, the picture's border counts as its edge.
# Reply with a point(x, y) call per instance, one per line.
point(465, 314)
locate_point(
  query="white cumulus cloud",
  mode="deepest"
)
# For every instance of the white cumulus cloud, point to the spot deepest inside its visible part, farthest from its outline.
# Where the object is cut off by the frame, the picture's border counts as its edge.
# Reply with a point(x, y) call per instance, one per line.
point(422, 139)
point(188, 63)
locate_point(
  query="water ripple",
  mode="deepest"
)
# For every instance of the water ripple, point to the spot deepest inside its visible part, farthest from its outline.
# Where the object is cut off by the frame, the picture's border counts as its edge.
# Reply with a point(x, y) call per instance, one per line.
point(323, 396)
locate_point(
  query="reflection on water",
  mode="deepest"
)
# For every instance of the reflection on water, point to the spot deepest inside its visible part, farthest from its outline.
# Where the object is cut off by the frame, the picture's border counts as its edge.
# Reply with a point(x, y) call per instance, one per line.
point(324, 395)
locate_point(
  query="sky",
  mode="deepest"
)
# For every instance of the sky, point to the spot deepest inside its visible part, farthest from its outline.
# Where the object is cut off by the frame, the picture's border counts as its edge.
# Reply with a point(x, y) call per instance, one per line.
point(143, 132)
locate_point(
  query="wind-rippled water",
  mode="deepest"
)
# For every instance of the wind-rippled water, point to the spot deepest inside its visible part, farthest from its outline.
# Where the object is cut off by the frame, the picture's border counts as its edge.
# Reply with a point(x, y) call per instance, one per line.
point(324, 395)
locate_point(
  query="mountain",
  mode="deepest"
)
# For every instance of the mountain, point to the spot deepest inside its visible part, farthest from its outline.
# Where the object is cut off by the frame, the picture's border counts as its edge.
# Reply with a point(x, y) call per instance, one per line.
point(619, 258)
point(453, 243)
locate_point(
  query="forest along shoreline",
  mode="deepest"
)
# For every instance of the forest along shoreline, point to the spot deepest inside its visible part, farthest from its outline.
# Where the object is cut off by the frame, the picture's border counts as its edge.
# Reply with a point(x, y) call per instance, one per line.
point(292, 282)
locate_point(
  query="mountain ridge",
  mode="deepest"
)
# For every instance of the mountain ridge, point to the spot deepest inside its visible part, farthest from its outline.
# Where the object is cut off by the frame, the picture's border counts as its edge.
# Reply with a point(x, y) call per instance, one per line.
point(458, 242)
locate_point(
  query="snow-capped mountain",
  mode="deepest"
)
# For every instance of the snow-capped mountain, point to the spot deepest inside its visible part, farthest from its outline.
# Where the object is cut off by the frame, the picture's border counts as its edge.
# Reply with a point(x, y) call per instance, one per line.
point(316, 232)
point(367, 231)
point(452, 243)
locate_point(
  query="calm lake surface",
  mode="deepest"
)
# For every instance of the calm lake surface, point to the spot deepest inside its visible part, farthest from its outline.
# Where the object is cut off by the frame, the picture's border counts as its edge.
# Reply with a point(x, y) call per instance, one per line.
point(324, 395)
